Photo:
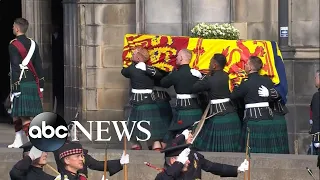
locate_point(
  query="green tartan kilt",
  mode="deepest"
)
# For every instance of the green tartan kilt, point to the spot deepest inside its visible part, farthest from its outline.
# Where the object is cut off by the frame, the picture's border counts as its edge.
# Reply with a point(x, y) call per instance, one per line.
point(28, 104)
point(220, 134)
point(267, 136)
point(187, 116)
point(165, 111)
point(151, 113)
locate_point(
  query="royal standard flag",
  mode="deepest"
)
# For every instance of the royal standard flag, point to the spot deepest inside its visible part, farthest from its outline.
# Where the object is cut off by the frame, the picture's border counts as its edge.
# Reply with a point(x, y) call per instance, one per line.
point(163, 51)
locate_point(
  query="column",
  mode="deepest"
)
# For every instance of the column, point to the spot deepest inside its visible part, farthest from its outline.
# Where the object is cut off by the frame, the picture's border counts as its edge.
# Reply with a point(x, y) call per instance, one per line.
point(72, 61)
point(38, 13)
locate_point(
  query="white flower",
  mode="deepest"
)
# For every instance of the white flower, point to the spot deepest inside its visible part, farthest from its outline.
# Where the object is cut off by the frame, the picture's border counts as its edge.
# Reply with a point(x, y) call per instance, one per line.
point(215, 31)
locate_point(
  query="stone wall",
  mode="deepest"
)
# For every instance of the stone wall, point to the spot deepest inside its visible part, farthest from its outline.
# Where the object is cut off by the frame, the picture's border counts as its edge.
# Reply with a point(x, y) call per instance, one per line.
point(94, 31)
point(103, 24)
point(263, 166)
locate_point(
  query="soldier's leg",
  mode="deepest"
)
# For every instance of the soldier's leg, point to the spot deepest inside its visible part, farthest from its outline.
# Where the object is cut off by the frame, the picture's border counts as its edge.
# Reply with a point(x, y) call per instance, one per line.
point(18, 133)
point(25, 125)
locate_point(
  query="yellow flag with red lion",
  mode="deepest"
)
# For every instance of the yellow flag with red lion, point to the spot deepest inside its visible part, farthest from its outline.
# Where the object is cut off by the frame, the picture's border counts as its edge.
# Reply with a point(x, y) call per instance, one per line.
point(163, 52)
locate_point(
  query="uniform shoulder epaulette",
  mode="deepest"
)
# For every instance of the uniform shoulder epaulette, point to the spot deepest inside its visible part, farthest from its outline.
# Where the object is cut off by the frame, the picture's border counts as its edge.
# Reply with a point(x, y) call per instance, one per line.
point(12, 40)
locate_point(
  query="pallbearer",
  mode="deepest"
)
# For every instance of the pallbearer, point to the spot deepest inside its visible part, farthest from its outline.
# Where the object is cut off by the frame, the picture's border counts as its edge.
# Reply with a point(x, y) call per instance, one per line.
point(221, 132)
point(188, 109)
point(160, 93)
point(144, 107)
point(279, 111)
point(258, 116)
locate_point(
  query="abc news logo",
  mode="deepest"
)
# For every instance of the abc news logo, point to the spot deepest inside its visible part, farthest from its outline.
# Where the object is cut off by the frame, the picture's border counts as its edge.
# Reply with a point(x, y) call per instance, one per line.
point(49, 131)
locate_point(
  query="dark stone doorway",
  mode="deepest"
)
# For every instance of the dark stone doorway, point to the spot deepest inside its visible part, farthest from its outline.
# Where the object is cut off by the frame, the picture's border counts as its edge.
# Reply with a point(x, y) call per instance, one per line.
point(57, 55)
point(9, 11)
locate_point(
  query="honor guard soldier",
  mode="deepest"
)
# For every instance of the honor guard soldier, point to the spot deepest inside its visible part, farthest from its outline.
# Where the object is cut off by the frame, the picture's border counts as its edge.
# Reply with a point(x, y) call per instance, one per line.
point(315, 114)
point(113, 166)
point(71, 156)
point(144, 107)
point(188, 110)
point(221, 132)
point(184, 163)
point(26, 76)
point(265, 136)
point(160, 94)
point(31, 166)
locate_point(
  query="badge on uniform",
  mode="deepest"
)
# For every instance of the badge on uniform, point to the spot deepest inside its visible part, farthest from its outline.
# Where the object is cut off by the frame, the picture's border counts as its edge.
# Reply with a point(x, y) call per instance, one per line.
point(196, 156)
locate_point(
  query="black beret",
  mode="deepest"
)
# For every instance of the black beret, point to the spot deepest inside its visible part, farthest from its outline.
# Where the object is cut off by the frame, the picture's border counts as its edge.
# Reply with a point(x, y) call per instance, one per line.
point(174, 150)
point(26, 147)
point(179, 140)
point(70, 148)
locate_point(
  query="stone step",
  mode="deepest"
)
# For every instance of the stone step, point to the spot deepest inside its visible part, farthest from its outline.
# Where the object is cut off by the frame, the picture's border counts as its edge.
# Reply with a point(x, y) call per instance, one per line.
point(263, 166)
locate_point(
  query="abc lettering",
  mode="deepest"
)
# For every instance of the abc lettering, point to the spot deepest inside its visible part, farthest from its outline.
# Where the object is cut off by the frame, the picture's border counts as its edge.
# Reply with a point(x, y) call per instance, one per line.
point(43, 131)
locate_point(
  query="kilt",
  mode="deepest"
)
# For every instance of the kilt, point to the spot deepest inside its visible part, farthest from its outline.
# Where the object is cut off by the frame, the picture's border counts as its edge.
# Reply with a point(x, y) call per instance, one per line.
point(187, 116)
point(165, 111)
point(147, 112)
point(220, 134)
point(28, 104)
point(267, 136)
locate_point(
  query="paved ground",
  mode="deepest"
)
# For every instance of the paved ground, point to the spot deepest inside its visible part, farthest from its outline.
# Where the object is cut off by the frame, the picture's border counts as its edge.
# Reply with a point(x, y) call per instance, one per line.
point(6, 134)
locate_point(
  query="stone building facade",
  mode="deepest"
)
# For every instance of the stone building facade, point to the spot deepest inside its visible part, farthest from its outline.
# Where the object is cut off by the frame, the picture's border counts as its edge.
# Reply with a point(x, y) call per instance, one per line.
point(93, 40)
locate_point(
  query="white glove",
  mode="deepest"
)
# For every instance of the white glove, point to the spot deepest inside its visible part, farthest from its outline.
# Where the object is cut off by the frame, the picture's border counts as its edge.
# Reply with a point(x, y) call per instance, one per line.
point(263, 91)
point(186, 133)
point(59, 177)
point(142, 66)
point(183, 156)
point(244, 166)
point(103, 178)
point(310, 122)
point(34, 153)
point(41, 89)
point(124, 159)
point(196, 73)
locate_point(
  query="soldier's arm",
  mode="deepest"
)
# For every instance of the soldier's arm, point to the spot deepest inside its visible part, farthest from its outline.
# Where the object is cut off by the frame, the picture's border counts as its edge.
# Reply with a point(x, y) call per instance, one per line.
point(239, 91)
point(113, 166)
point(201, 85)
point(15, 60)
point(126, 71)
point(171, 173)
point(222, 170)
point(154, 72)
point(169, 80)
point(273, 92)
point(20, 169)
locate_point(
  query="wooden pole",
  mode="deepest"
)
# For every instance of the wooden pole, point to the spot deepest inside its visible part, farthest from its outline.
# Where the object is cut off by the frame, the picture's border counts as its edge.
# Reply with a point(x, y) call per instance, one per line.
point(125, 168)
point(105, 164)
point(247, 173)
point(54, 170)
